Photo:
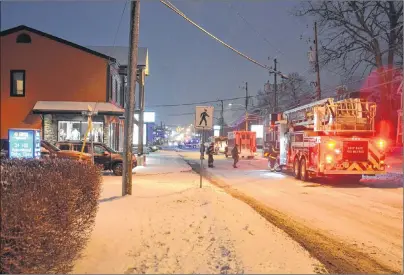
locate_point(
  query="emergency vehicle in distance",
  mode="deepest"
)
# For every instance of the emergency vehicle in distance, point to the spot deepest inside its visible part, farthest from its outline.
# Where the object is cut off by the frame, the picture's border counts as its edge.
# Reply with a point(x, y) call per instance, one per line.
point(330, 138)
point(245, 142)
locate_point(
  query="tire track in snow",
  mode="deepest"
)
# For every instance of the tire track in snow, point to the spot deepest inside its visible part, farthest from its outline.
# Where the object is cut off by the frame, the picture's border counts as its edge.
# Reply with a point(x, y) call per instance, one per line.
point(337, 256)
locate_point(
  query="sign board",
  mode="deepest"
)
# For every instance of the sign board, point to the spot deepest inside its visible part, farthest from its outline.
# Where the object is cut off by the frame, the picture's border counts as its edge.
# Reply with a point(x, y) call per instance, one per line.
point(24, 143)
point(259, 130)
point(148, 117)
point(204, 117)
point(355, 150)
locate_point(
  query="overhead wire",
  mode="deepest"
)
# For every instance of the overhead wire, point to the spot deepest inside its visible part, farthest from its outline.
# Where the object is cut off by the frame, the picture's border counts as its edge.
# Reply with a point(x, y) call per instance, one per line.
point(176, 10)
point(195, 103)
point(254, 29)
point(117, 30)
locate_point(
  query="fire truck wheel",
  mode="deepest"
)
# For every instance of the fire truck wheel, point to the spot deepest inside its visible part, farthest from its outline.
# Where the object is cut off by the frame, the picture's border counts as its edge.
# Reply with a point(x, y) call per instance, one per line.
point(304, 176)
point(296, 168)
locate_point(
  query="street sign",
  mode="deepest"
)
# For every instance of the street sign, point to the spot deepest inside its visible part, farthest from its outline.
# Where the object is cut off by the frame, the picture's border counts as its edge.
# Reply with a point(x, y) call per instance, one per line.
point(204, 117)
point(24, 143)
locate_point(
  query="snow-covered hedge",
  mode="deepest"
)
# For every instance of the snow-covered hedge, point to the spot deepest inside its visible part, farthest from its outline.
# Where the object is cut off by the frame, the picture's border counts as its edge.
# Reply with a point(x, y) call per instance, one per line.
point(48, 209)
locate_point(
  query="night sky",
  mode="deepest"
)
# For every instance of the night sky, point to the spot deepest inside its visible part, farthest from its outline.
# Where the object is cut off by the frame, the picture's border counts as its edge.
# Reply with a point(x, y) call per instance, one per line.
point(186, 65)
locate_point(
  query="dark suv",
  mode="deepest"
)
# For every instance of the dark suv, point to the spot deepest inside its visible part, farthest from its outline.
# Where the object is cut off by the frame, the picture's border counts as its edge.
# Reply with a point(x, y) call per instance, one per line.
point(103, 155)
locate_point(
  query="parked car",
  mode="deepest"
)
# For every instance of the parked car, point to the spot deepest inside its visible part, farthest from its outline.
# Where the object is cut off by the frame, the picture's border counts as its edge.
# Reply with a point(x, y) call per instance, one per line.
point(153, 148)
point(48, 151)
point(110, 159)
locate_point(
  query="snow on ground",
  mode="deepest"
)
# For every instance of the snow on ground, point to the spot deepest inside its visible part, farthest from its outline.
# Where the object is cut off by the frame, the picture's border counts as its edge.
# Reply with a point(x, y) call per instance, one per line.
point(170, 225)
point(367, 216)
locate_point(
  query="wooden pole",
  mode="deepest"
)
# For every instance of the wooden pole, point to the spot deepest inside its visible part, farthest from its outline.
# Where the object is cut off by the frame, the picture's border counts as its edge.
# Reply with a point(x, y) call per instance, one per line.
point(130, 97)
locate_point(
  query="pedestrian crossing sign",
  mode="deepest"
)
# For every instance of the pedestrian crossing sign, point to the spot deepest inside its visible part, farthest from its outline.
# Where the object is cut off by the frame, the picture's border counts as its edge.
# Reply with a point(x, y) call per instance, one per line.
point(204, 117)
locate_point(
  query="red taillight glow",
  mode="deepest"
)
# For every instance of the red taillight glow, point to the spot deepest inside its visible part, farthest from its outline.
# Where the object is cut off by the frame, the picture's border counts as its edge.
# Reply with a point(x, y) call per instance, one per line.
point(381, 144)
point(331, 144)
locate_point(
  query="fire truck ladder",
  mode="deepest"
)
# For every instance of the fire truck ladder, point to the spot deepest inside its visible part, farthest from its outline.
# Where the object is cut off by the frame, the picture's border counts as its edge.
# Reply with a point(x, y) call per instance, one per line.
point(304, 115)
point(353, 114)
point(328, 115)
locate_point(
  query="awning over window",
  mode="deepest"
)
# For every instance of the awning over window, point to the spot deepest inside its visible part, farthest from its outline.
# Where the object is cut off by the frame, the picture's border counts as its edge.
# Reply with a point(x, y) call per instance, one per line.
point(75, 107)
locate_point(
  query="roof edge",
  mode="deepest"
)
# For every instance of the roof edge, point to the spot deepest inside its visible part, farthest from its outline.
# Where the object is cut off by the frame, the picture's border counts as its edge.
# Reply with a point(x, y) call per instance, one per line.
point(57, 39)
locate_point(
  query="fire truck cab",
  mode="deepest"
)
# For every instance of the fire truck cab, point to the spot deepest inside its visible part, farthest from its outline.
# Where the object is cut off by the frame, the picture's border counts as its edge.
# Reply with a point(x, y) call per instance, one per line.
point(327, 138)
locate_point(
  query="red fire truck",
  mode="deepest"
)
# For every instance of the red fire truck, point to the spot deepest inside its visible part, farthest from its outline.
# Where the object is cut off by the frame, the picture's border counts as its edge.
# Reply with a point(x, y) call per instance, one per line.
point(245, 142)
point(330, 138)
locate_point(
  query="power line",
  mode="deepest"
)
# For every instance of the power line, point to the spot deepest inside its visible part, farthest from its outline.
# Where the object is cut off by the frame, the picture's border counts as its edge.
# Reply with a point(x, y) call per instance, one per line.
point(180, 13)
point(254, 29)
point(119, 25)
point(195, 103)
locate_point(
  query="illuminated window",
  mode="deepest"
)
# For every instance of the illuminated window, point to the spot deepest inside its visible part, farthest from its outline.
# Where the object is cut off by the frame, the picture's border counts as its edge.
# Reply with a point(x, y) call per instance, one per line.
point(75, 130)
point(17, 83)
point(24, 38)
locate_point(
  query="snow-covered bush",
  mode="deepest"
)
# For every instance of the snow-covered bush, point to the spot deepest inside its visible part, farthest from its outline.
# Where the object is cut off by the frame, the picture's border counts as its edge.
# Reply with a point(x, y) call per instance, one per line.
point(48, 209)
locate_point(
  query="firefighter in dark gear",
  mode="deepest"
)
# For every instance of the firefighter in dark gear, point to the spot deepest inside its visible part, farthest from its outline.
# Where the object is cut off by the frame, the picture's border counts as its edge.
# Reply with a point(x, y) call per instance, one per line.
point(226, 151)
point(234, 154)
point(211, 151)
point(272, 157)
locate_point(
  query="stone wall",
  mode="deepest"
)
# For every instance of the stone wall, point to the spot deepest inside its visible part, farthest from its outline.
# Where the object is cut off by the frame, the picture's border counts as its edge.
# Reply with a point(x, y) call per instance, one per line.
point(51, 126)
point(106, 133)
point(50, 129)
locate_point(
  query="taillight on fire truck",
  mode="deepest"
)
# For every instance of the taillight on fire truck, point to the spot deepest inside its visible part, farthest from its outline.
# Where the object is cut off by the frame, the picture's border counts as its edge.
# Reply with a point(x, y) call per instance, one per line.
point(381, 144)
point(331, 144)
point(328, 159)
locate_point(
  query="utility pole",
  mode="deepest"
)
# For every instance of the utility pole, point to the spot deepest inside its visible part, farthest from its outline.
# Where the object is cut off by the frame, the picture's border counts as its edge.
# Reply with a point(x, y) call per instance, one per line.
point(275, 87)
point(221, 120)
point(317, 66)
point(130, 98)
point(246, 106)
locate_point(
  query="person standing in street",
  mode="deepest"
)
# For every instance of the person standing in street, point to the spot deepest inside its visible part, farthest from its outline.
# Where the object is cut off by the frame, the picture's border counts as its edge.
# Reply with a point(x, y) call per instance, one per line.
point(272, 157)
point(211, 151)
point(235, 156)
point(226, 151)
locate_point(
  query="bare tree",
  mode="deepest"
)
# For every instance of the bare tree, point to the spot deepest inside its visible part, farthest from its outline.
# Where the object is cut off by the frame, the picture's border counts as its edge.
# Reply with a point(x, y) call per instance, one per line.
point(264, 99)
point(297, 89)
point(291, 92)
point(360, 36)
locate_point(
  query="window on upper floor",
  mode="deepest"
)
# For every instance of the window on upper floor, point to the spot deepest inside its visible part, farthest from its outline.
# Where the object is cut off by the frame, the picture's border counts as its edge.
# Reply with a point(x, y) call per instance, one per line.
point(17, 83)
point(24, 38)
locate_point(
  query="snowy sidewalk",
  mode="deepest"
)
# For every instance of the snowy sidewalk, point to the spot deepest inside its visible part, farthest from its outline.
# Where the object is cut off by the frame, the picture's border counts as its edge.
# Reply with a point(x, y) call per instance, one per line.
point(162, 163)
point(170, 225)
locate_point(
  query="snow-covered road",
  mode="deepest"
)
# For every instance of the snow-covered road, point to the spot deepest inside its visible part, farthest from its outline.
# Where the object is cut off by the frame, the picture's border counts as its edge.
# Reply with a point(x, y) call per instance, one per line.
point(366, 218)
point(170, 225)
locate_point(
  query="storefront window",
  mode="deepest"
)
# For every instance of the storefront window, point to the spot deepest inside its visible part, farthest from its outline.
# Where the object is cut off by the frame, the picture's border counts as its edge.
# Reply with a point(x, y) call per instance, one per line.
point(69, 130)
point(97, 133)
point(75, 130)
